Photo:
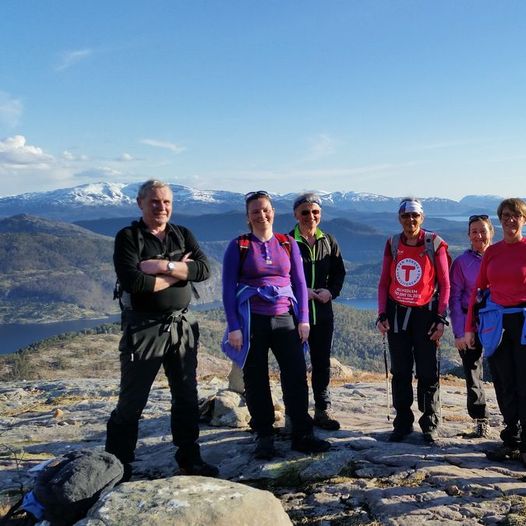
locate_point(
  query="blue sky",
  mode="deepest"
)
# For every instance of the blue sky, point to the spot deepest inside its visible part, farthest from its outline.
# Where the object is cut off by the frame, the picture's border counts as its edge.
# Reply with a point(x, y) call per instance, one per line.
point(390, 97)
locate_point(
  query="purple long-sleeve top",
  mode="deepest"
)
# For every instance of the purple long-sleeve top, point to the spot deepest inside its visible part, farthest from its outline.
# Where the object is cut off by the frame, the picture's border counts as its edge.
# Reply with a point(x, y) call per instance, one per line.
point(266, 263)
point(463, 275)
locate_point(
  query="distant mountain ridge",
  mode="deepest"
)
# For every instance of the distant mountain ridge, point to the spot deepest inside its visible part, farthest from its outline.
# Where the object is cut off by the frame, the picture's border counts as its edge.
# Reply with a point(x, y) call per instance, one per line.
point(98, 200)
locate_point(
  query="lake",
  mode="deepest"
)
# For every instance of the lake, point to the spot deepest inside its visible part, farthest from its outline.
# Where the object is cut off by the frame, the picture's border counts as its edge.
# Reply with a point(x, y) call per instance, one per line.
point(14, 336)
point(361, 304)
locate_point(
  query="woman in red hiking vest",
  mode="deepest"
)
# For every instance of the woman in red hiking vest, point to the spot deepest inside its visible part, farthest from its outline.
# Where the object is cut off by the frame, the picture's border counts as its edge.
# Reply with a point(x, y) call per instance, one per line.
point(503, 272)
point(413, 293)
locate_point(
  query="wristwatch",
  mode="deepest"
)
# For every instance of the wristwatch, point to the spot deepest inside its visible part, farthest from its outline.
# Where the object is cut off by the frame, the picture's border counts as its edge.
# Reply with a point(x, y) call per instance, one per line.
point(171, 266)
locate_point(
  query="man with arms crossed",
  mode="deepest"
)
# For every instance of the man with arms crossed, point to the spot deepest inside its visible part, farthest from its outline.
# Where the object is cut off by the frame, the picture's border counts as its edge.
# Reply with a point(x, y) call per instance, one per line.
point(155, 262)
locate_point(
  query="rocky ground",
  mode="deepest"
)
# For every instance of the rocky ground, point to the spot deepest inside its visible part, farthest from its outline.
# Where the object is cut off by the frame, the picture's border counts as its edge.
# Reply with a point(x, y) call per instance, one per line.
point(363, 479)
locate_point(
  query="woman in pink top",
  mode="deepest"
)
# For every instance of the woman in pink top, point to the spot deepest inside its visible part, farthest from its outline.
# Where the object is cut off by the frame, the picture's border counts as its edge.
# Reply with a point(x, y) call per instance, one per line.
point(503, 272)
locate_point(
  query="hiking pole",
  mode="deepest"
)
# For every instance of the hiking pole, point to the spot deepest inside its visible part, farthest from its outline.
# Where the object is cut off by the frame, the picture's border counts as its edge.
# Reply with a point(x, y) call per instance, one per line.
point(386, 378)
point(439, 393)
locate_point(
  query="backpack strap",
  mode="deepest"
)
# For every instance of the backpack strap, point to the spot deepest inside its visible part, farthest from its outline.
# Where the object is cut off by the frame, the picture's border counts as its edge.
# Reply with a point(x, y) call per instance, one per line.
point(284, 241)
point(139, 238)
point(243, 243)
point(180, 239)
point(431, 243)
point(118, 292)
point(395, 241)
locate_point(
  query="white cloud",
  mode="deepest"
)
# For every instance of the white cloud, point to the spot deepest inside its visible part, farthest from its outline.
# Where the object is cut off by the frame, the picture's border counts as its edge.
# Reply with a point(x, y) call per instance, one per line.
point(70, 156)
point(453, 144)
point(101, 173)
point(321, 146)
point(10, 109)
point(175, 148)
point(126, 157)
point(70, 58)
point(15, 152)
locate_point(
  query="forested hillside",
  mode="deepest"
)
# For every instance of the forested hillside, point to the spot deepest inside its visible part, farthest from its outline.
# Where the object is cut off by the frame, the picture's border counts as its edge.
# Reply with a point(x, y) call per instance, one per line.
point(94, 351)
point(52, 271)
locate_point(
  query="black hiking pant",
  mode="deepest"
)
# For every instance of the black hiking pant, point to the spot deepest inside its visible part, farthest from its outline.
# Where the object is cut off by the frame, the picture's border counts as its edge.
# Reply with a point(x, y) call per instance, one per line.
point(149, 342)
point(508, 369)
point(409, 345)
point(472, 360)
point(280, 334)
point(320, 343)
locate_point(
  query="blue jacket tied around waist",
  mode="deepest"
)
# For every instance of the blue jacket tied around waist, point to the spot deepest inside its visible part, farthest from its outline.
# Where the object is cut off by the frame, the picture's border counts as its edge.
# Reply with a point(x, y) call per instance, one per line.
point(490, 324)
point(243, 294)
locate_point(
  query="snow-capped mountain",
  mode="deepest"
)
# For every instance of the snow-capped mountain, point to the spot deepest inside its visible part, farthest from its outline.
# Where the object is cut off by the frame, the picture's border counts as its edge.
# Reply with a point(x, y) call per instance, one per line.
point(98, 200)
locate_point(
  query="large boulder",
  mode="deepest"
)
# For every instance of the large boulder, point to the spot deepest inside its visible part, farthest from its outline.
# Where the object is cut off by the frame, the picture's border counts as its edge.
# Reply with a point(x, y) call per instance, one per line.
point(340, 372)
point(229, 410)
point(187, 501)
point(235, 379)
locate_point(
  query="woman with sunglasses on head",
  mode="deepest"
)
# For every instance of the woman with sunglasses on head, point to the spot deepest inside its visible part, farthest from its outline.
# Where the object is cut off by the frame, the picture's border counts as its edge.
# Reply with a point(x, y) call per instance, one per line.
point(263, 283)
point(413, 293)
point(503, 274)
point(463, 274)
point(325, 274)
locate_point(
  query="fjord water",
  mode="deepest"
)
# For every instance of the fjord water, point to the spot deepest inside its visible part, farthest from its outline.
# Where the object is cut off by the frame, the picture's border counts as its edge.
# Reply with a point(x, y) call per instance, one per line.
point(14, 336)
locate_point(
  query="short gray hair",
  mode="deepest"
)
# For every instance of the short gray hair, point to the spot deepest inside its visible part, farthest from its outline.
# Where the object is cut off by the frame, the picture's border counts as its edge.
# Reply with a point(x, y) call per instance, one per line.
point(149, 185)
point(309, 197)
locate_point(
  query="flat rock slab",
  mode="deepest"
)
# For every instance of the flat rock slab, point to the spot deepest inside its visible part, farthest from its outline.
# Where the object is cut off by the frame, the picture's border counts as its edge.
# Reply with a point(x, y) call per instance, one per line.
point(187, 501)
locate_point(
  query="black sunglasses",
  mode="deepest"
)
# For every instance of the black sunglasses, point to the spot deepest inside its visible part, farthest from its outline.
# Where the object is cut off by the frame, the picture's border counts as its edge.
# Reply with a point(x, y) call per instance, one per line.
point(476, 217)
point(407, 215)
point(256, 195)
point(308, 212)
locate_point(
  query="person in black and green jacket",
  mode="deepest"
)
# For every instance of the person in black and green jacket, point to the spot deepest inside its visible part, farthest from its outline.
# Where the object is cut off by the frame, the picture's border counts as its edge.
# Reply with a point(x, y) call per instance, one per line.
point(325, 274)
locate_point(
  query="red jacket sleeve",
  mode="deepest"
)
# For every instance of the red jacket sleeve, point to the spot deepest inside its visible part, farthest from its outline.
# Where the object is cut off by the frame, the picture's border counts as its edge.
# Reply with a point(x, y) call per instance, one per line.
point(385, 279)
point(442, 272)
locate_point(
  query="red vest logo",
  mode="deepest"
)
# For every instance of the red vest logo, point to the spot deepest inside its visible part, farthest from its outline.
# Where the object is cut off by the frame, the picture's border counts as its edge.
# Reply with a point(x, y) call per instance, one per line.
point(408, 272)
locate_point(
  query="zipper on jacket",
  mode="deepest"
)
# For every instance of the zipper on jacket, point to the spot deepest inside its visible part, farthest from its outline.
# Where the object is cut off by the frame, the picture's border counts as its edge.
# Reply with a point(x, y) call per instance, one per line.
point(312, 252)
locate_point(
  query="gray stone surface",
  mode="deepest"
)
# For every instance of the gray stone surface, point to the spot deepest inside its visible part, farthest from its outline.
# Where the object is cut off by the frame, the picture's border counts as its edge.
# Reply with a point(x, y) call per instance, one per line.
point(363, 479)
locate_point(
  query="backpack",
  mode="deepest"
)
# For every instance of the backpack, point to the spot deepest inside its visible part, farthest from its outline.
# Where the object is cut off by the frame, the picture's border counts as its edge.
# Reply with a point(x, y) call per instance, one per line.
point(431, 243)
point(68, 486)
point(118, 292)
point(243, 242)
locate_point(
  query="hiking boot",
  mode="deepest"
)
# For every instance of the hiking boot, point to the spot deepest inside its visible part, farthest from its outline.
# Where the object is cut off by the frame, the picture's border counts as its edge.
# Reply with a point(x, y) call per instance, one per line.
point(265, 448)
point(398, 435)
point(309, 443)
point(503, 453)
point(324, 419)
point(511, 437)
point(482, 428)
point(430, 436)
point(128, 472)
point(287, 428)
point(199, 468)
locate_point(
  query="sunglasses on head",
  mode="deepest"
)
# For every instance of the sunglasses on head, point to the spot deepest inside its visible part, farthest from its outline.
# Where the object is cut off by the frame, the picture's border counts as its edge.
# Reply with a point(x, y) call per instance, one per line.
point(308, 212)
point(256, 195)
point(412, 215)
point(476, 217)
